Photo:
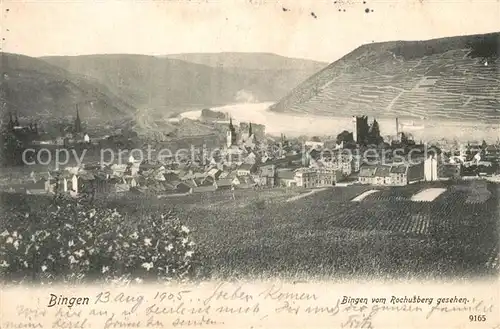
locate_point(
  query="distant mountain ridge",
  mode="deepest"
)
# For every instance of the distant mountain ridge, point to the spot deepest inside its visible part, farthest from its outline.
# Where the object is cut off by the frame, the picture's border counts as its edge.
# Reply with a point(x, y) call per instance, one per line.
point(30, 87)
point(455, 78)
point(249, 61)
point(112, 87)
point(171, 84)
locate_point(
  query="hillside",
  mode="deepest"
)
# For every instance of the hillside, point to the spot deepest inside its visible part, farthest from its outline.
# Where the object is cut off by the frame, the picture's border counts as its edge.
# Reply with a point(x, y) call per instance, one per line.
point(446, 79)
point(33, 88)
point(172, 85)
point(150, 124)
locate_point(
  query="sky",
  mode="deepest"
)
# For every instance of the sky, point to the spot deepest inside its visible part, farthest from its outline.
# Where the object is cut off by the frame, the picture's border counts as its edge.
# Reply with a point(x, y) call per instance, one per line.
point(313, 29)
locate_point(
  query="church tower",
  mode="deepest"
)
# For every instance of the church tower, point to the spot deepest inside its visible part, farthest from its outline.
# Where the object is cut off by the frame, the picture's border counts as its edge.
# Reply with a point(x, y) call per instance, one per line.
point(251, 136)
point(78, 123)
point(231, 134)
point(11, 122)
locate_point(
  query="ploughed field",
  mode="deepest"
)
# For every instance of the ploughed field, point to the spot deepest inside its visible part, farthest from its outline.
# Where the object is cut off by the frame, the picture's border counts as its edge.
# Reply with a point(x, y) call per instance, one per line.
point(386, 235)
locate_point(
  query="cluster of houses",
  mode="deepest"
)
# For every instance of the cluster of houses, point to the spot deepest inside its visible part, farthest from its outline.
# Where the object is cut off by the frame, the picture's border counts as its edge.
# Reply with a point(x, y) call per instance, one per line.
point(400, 174)
point(142, 178)
point(157, 179)
point(240, 166)
point(471, 161)
point(396, 175)
point(248, 164)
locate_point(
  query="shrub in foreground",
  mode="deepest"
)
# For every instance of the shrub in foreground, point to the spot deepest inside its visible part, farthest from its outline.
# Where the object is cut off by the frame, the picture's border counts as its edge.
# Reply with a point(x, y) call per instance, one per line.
point(76, 242)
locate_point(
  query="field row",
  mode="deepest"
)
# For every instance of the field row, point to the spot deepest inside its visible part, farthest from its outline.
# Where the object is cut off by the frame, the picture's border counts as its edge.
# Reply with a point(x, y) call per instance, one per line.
point(328, 234)
point(391, 209)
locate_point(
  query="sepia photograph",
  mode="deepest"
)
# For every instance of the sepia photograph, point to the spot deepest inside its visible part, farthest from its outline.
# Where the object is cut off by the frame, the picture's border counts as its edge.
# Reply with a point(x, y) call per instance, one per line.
point(176, 143)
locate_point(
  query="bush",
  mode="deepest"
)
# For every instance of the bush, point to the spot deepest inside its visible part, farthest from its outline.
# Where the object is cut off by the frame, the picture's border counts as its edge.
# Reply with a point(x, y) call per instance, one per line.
point(76, 242)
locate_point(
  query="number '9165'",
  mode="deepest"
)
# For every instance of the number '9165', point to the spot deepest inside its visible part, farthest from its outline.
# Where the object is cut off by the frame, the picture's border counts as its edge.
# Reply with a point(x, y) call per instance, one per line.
point(477, 318)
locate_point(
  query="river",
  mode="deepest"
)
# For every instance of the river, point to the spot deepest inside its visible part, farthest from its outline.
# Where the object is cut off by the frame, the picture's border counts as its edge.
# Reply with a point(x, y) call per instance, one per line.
point(297, 124)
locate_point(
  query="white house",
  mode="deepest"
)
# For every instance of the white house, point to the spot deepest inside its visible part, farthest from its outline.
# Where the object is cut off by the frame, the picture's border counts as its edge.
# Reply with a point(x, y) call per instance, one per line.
point(118, 169)
point(477, 157)
point(74, 183)
point(430, 169)
point(246, 169)
point(306, 177)
point(314, 145)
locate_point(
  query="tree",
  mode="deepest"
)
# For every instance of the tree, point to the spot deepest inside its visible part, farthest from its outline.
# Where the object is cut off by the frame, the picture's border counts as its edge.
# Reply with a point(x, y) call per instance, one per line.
point(345, 137)
point(11, 148)
point(316, 139)
point(363, 130)
point(404, 139)
point(374, 134)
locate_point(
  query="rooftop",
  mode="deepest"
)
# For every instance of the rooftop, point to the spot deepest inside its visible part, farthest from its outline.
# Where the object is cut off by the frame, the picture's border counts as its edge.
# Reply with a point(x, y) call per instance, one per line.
point(224, 182)
point(246, 166)
point(398, 169)
point(367, 171)
point(286, 174)
point(383, 171)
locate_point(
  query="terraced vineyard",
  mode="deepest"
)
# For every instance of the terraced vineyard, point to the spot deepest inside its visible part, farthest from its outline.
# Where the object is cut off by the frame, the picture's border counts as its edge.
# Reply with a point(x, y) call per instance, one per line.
point(451, 78)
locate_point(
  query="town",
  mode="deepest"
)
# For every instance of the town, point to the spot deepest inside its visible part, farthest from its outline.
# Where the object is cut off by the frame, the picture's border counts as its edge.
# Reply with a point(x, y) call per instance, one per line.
point(250, 159)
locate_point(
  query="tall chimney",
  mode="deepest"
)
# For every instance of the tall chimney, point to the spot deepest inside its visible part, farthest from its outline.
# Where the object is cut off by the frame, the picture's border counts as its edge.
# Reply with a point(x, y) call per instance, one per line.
point(397, 128)
point(355, 129)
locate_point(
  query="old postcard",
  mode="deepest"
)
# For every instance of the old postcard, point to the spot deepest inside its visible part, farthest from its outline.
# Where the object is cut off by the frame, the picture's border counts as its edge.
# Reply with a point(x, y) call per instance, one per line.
point(250, 164)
